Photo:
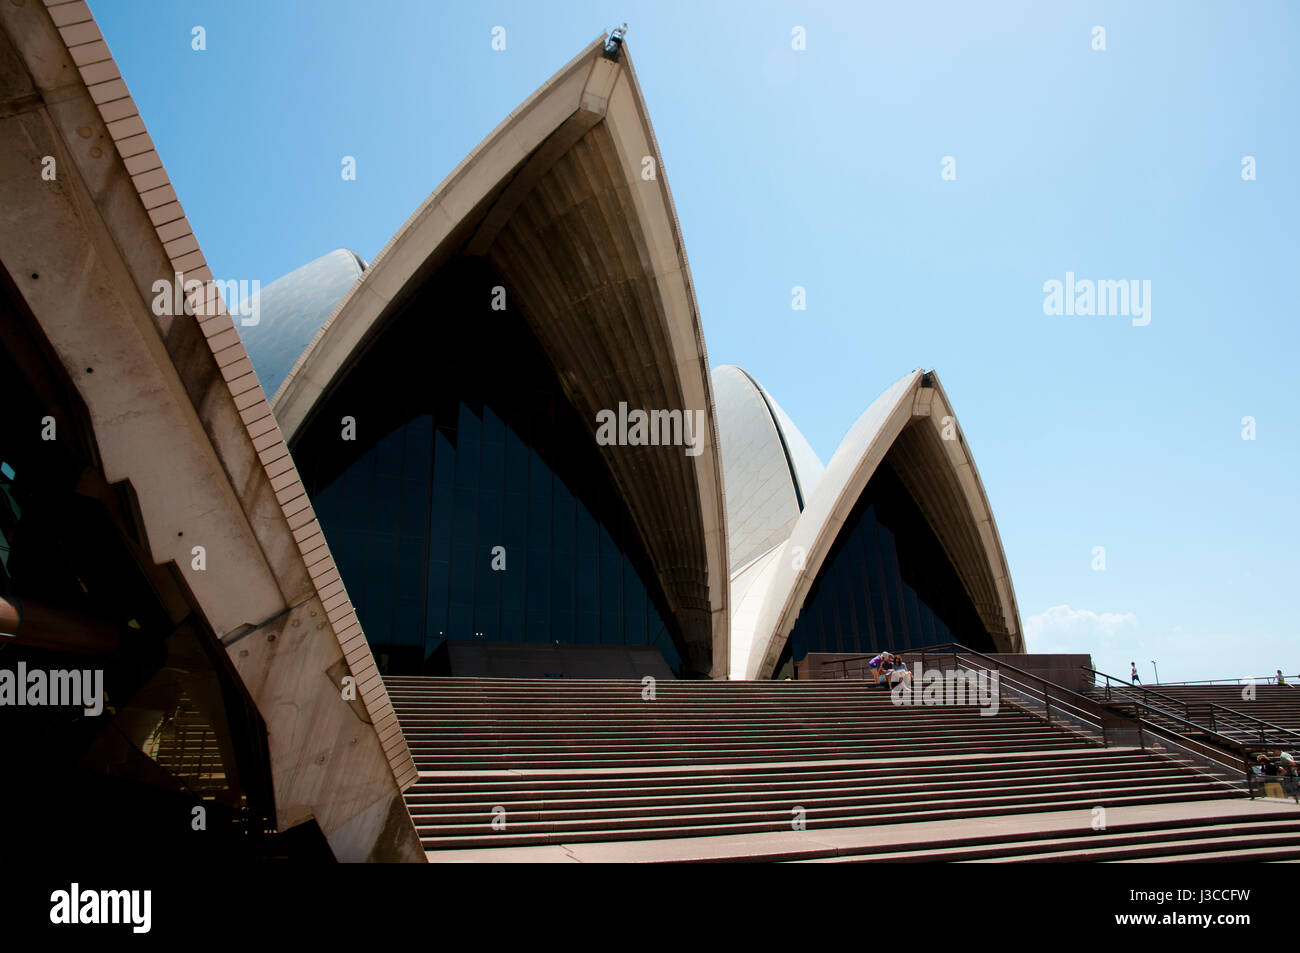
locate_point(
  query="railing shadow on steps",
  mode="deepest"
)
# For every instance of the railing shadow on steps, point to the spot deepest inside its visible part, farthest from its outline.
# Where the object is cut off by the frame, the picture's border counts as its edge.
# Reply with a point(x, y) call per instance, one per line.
point(1082, 715)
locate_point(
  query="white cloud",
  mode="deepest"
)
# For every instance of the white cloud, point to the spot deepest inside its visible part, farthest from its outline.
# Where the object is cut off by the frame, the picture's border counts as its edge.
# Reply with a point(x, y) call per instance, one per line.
point(1062, 629)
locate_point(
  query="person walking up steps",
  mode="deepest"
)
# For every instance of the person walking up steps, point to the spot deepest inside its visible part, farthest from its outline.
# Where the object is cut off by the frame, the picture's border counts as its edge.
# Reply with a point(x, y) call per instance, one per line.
point(1133, 673)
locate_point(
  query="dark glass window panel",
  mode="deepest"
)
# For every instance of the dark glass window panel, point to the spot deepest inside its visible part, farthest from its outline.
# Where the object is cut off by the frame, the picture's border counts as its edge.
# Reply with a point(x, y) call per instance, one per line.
point(872, 540)
point(562, 524)
point(487, 595)
point(462, 578)
point(456, 455)
point(847, 634)
point(413, 522)
point(468, 442)
point(513, 627)
point(493, 468)
point(514, 586)
point(464, 513)
point(562, 597)
point(586, 586)
point(491, 512)
point(634, 627)
point(387, 487)
point(460, 622)
point(408, 583)
point(913, 618)
point(494, 430)
point(439, 598)
point(864, 625)
point(539, 504)
point(886, 584)
point(659, 636)
point(488, 580)
point(516, 463)
point(538, 608)
point(893, 586)
point(926, 615)
point(611, 591)
point(587, 623)
point(376, 598)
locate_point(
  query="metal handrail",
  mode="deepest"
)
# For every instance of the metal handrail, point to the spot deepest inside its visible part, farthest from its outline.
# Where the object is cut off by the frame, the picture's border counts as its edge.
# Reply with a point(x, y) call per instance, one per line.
point(1212, 707)
point(844, 660)
point(1094, 712)
point(1195, 746)
point(1255, 679)
point(1090, 706)
point(1145, 726)
point(849, 658)
point(1131, 687)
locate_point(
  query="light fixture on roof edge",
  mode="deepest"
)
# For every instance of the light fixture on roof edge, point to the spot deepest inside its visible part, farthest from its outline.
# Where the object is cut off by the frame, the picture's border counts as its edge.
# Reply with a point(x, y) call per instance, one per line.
point(614, 44)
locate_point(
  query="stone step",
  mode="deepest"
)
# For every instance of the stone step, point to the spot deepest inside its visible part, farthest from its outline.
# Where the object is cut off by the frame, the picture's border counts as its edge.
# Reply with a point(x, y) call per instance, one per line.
point(775, 806)
point(1151, 842)
point(422, 795)
point(451, 839)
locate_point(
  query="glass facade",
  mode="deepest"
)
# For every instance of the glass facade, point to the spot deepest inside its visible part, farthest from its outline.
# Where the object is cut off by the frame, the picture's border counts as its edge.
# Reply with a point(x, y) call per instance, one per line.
point(886, 584)
point(472, 503)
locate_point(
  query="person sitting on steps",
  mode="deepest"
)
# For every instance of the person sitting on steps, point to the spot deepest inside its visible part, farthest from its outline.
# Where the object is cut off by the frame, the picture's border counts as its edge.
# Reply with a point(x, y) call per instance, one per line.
point(898, 673)
point(877, 667)
point(887, 666)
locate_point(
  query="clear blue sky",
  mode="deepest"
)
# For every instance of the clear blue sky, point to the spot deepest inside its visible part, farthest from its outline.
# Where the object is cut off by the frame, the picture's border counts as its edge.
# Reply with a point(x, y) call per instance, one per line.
point(821, 168)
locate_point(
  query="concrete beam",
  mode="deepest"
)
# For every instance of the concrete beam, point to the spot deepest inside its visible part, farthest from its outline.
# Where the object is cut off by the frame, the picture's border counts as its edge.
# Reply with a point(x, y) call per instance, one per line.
point(170, 410)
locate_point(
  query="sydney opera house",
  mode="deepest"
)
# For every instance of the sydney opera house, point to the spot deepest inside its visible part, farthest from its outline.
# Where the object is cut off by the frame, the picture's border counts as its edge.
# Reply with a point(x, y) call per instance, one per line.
point(322, 557)
point(472, 415)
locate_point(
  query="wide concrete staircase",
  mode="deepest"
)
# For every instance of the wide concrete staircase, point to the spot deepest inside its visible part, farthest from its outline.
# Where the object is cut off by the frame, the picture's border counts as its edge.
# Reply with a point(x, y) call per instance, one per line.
point(519, 763)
